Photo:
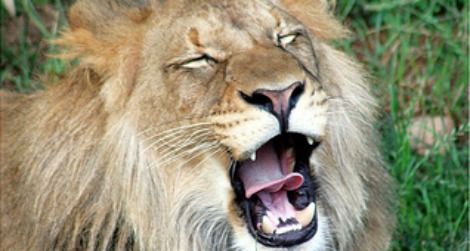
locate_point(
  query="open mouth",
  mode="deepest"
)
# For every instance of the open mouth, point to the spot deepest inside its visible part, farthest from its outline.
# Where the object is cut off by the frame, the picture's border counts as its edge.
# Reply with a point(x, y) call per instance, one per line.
point(275, 191)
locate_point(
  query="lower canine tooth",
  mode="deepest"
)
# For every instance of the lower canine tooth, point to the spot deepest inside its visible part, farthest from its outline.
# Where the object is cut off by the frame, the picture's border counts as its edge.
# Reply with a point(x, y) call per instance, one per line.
point(266, 226)
point(305, 216)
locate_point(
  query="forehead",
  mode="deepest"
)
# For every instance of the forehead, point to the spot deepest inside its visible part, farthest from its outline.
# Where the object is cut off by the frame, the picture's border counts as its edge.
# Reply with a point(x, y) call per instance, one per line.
point(239, 13)
point(217, 24)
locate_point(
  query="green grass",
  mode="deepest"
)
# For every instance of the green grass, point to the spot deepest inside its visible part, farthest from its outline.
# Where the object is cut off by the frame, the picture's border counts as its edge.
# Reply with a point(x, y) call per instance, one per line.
point(417, 54)
point(24, 46)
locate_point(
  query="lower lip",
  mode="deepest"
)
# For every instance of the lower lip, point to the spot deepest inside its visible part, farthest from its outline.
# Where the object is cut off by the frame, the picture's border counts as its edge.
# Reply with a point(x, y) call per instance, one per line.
point(288, 239)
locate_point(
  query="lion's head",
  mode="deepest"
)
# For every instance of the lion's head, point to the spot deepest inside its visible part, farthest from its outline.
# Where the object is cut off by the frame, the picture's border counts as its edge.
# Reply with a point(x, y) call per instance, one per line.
point(211, 125)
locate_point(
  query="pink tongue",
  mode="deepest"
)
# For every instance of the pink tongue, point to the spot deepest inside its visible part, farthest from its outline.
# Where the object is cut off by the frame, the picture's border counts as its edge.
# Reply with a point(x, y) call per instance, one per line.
point(270, 178)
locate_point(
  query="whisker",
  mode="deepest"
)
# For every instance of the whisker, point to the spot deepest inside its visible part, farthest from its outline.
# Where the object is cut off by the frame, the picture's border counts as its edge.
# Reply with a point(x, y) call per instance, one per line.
point(208, 157)
point(199, 139)
point(205, 150)
point(175, 137)
point(185, 153)
point(202, 137)
point(180, 128)
point(181, 121)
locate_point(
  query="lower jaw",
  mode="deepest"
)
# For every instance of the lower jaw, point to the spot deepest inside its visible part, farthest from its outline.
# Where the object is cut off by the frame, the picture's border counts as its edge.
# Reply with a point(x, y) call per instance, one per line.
point(288, 239)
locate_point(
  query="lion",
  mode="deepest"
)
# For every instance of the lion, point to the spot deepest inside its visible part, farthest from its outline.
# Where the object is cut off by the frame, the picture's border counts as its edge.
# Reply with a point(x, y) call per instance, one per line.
point(196, 125)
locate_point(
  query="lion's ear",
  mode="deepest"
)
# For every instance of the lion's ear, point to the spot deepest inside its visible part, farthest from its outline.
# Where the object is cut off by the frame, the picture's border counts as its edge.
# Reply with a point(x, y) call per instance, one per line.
point(102, 30)
point(317, 16)
point(106, 38)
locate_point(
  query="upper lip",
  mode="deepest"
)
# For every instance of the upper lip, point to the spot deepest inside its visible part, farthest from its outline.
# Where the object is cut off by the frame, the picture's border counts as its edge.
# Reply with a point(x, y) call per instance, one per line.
point(313, 142)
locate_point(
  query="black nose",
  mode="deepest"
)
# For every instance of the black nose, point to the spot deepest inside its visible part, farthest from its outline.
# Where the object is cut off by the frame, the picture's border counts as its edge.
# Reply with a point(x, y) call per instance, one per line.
point(277, 102)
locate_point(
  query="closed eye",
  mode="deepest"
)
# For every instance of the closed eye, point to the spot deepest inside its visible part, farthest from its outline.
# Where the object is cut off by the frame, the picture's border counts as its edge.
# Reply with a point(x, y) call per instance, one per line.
point(199, 62)
point(284, 40)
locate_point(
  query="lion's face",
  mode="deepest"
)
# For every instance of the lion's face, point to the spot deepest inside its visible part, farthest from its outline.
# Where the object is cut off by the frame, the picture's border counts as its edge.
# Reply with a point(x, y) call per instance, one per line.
point(239, 89)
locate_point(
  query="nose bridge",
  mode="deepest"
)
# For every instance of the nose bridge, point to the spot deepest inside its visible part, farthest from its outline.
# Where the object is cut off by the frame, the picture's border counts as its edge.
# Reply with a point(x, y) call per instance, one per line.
point(269, 79)
point(264, 68)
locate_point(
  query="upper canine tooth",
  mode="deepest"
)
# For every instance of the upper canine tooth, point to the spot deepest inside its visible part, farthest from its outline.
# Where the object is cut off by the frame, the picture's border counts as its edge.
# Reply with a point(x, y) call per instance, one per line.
point(253, 156)
point(290, 152)
point(310, 140)
point(291, 159)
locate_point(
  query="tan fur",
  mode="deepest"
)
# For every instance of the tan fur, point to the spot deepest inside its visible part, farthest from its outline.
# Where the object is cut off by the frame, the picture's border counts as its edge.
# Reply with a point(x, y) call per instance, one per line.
point(131, 152)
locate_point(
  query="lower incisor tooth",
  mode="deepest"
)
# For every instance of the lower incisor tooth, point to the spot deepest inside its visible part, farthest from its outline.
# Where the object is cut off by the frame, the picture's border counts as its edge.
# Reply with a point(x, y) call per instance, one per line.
point(305, 216)
point(266, 226)
point(284, 229)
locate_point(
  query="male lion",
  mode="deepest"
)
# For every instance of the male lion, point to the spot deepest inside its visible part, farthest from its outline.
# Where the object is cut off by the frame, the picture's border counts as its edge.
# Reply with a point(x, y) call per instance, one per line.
point(196, 125)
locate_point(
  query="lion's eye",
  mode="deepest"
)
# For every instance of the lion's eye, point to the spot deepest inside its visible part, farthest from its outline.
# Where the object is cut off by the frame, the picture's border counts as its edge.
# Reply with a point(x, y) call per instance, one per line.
point(284, 40)
point(199, 62)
